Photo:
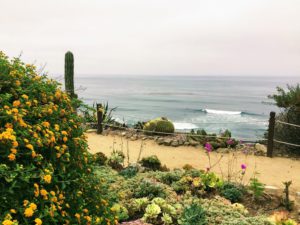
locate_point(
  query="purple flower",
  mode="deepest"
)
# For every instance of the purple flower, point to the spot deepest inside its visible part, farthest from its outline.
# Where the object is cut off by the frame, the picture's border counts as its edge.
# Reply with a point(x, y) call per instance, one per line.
point(243, 166)
point(208, 147)
point(230, 142)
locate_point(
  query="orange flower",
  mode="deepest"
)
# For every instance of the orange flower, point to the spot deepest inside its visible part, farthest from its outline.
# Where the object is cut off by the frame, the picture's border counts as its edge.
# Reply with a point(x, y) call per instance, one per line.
point(28, 212)
point(13, 151)
point(47, 178)
point(65, 139)
point(16, 103)
point(11, 157)
point(25, 96)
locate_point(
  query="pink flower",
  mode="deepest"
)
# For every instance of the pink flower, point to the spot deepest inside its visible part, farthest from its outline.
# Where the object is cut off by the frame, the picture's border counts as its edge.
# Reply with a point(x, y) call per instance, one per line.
point(243, 166)
point(208, 147)
point(230, 142)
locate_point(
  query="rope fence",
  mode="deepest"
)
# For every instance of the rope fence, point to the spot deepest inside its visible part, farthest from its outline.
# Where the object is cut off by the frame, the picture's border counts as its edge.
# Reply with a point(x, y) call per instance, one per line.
point(270, 140)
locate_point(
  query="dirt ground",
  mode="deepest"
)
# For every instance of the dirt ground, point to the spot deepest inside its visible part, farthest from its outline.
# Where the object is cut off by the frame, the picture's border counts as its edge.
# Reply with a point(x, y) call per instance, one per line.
point(271, 171)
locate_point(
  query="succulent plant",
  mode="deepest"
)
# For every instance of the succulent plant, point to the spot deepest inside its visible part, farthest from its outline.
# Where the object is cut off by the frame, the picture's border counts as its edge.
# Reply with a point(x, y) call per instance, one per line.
point(152, 211)
point(69, 73)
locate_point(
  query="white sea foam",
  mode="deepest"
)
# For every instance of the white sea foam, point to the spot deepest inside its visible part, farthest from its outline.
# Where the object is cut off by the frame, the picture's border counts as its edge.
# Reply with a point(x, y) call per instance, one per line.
point(184, 126)
point(213, 111)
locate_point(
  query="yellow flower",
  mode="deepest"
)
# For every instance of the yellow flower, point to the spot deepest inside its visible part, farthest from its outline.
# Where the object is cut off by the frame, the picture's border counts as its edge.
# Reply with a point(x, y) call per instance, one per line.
point(28, 212)
point(65, 139)
point(38, 221)
point(32, 206)
point(18, 83)
point(25, 202)
point(43, 192)
point(47, 178)
point(29, 146)
point(24, 96)
point(46, 124)
point(64, 133)
point(28, 104)
point(85, 210)
point(11, 157)
point(52, 193)
point(15, 144)
point(13, 151)
point(33, 154)
point(15, 110)
point(13, 211)
point(7, 222)
point(57, 94)
point(16, 103)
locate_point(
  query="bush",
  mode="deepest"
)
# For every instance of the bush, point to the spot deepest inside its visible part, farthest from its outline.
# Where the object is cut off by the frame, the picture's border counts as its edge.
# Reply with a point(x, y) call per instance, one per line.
point(151, 162)
point(161, 124)
point(231, 192)
point(290, 102)
point(116, 160)
point(129, 171)
point(193, 215)
point(150, 189)
point(100, 158)
point(45, 171)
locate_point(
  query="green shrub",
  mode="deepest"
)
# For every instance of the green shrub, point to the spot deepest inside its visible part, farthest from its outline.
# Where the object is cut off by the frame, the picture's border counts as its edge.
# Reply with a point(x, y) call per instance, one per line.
point(151, 162)
point(45, 168)
point(100, 158)
point(256, 187)
point(159, 125)
point(290, 101)
point(150, 189)
point(231, 192)
point(193, 215)
point(129, 171)
point(116, 160)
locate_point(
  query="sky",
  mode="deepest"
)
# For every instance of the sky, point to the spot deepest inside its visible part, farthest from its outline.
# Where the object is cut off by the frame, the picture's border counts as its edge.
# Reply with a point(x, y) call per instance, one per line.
point(155, 37)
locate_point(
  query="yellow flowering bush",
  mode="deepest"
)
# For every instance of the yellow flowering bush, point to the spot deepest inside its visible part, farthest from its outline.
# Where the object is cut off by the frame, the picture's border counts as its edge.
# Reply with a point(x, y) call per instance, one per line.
point(45, 172)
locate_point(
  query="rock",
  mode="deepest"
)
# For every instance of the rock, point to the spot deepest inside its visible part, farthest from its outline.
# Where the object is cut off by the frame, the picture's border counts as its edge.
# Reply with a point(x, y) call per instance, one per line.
point(193, 143)
point(186, 143)
point(160, 141)
point(128, 135)
point(167, 141)
point(134, 138)
point(260, 149)
point(174, 143)
point(123, 133)
point(144, 138)
point(272, 190)
point(180, 142)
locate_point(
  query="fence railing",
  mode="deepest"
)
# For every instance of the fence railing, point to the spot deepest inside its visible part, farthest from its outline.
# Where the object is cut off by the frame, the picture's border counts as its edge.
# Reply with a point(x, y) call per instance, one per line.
point(270, 139)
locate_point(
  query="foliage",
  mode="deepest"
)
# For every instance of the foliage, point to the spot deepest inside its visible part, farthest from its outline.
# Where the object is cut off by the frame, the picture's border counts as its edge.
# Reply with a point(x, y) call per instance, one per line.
point(287, 203)
point(232, 192)
point(151, 162)
point(158, 125)
point(193, 215)
point(256, 187)
point(129, 171)
point(99, 158)
point(116, 160)
point(45, 171)
point(290, 101)
point(287, 99)
point(150, 189)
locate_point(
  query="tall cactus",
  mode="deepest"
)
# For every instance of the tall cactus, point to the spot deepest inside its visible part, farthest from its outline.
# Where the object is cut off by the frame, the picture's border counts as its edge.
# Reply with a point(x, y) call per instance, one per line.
point(69, 74)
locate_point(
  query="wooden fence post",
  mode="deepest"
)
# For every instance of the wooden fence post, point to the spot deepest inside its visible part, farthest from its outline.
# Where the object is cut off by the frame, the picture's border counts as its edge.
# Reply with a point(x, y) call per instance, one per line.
point(271, 134)
point(99, 119)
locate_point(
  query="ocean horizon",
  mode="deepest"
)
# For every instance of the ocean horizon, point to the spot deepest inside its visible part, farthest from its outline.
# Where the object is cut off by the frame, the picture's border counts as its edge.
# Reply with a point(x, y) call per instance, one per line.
point(213, 103)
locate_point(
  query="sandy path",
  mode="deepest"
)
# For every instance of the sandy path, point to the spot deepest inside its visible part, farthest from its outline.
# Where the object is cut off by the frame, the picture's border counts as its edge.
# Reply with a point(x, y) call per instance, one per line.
point(272, 171)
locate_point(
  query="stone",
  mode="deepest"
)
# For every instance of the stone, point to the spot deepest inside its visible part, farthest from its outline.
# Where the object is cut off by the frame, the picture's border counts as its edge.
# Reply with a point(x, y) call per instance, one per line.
point(262, 149)
point(144, 138)
point(133, 138)
point(193, 143)
point(174, 143)
point(123, 133)
point(160, 141)
point(180, 142)
point(128, 135)
point(272, 190)
point(186, 143)
point(91, 130)
point(167, 141)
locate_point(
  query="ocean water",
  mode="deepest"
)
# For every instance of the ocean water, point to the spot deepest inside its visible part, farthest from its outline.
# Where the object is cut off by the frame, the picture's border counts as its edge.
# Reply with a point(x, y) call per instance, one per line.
point(239, 104)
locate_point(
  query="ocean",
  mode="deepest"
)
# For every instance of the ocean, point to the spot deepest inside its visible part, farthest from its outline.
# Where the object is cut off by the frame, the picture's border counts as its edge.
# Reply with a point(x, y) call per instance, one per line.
point(239, 104)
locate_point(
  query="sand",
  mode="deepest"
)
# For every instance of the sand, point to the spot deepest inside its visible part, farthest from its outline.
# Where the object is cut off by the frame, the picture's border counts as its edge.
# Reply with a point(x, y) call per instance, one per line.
point(271, 171)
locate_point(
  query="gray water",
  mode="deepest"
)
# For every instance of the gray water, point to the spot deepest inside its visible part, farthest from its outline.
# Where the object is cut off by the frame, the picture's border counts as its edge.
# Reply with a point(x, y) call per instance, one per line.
point(239, 104)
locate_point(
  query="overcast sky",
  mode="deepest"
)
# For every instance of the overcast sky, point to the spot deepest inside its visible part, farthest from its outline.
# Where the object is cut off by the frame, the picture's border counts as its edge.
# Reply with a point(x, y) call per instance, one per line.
point(160, 37)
